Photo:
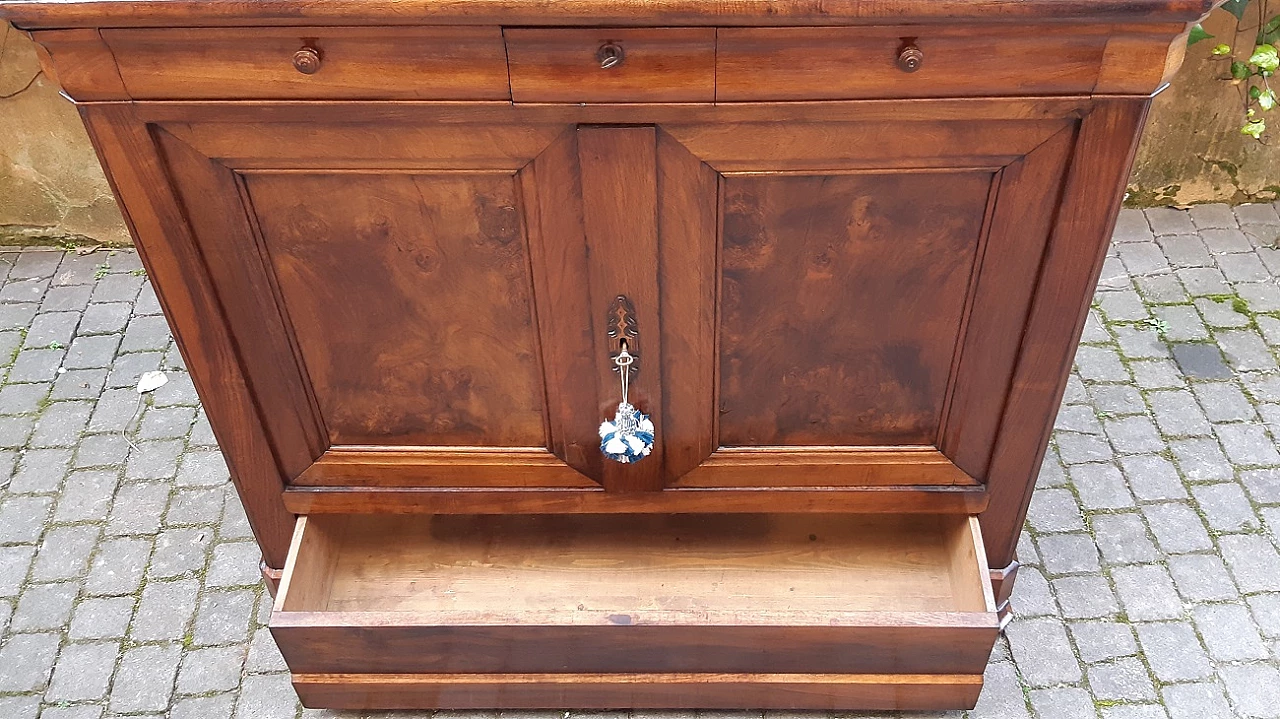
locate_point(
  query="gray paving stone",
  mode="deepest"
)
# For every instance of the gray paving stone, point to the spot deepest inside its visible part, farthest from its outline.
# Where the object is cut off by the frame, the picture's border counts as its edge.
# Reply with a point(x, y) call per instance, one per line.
point(145, 678)
point(1100, 364)
point(22, 519)
point(1177, 528)
point(265, 696)
point(91, 351)
point(1260, 296)
point(1051, 472)
point(1134, 711)
point(83, 672)
point(234, 564)
point(138, 508)
point(1201, 459)
point(1266, 613)
point(156, 459)
point(1248, 444)
point(1134, 435)
point(1117, 399)
point(1144, 258)
point(1068, 553)
point(1246, 267)
point(61, 424)
point(76, 711)
point(1221, 313)
point(1122, 305)
point(1077, 418)
point(105, 318)
point(101, 618)
point(1195, 701)
point(166, 422)
point(1213, 215)
point(1086, 597)
point(1169, 221)
point(66, 298)
point(117, 288)
point(1063, 703)
point(101, 450)
point(165, 610)
point(1188, 250)
point(78, 384)
point(148, 303)
point(127, 369)
point(1121, 680)
point(1156, 374)
point(1202, 577)
point(1226, 241)
point(1146, 592)
point(177, 391)
point(15, 562)
point(211, 669)
point(40, 471)
point(1031, 594)
point(1095, 329)
point(1172, 651)
point(1202, 281)
point(179, 552)
point(1178, 414)
point(26, 661)
point(202, 469)
point(44, 606)
point(22, 398)
point(235, 523)
point(197, 506)
point(224, 616)
point(1101, 486)
point(118, 567)
point(1122, 539)
point(1254, 689)
point(149, 332)
point(1201, 361)
point(1132, 226)
point(218, 706)
point(1225, 507)
point(51, 328)
point(1100, 641)
point(19, 707)
point(1229, 633)
point(1246, 350)
point(1253, 562)
point(35, 264)
point(64, 553)
point(1043, 652)
point(86, 495)
point(1152, 477)
point(23, 291)
point(1223, 401)
point(36, 365)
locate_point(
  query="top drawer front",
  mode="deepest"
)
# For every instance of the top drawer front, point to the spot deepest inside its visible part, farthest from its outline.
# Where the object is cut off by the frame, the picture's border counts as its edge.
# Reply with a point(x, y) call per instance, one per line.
point(408, 63)
point(649, 64)
point(850, 63)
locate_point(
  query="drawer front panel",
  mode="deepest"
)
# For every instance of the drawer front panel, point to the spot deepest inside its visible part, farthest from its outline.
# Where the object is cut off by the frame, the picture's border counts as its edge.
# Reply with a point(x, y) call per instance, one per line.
point(411, 63)
point(855, 63)
point(655, 593)
point(644, 65)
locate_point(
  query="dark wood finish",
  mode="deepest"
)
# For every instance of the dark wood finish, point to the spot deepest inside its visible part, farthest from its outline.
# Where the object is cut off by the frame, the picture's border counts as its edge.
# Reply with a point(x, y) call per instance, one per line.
point(657, 65)
point(271, 577)
point(636, 593)
point(411, 63)
point(928, 499)
point(657, 691)
point(857, 244)
point(183, 13)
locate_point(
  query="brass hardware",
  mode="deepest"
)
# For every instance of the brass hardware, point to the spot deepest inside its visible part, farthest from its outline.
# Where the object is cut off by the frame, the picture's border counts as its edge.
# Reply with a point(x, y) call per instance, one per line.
point(620, 325)
point(307, 61)
point(610, 55)
point(910, 57)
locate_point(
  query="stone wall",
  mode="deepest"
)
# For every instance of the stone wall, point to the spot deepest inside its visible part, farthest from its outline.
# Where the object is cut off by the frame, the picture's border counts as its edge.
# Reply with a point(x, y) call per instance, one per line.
point(52, 190)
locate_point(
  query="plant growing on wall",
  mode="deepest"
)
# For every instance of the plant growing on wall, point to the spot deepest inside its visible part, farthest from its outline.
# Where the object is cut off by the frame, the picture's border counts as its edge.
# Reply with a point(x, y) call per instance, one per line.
point(1251, 72)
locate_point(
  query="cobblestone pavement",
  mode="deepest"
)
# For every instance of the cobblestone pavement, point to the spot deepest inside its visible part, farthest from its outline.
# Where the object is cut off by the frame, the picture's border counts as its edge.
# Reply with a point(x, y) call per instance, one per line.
point(1151, 579)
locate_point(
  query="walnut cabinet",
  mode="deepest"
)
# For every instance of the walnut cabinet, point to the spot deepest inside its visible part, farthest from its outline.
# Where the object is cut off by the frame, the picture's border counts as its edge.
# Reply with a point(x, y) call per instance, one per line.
point(850, 248)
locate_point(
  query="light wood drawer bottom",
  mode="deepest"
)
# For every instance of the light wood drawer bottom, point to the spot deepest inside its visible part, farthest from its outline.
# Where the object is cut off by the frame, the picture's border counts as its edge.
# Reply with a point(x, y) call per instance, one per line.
point(798, 603)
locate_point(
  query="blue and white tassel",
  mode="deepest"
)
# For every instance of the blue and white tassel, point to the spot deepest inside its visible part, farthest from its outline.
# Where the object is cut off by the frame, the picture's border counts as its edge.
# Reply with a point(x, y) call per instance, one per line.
point(629, 436)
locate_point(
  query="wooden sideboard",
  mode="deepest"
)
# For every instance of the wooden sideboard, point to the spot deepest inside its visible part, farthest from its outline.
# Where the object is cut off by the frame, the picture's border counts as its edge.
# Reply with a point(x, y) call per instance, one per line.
point(850, 247)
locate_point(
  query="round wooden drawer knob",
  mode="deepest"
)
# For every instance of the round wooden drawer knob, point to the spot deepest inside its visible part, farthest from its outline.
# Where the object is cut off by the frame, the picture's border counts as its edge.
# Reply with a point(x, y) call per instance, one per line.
point(610, 55)
point(910, 58)
point(307, 61)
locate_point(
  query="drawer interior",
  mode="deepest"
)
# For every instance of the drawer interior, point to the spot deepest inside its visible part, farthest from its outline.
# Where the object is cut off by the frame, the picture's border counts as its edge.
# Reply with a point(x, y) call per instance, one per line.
point(785, 569)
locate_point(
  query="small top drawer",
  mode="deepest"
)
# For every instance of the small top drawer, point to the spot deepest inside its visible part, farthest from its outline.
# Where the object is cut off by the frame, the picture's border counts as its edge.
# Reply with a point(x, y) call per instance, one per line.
point(345, 63)
point(612, 65)
point(850, 63)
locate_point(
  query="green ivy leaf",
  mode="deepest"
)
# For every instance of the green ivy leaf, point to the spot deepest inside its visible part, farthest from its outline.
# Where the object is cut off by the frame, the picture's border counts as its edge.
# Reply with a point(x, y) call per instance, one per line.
point(1255, 92)
point(1239, 70)
point(1197, 34)
point(1266, 57)
point(1236, 7)
point(1254, 129)
point(1270, 32)
point(1267, 99)
point(1223, 49)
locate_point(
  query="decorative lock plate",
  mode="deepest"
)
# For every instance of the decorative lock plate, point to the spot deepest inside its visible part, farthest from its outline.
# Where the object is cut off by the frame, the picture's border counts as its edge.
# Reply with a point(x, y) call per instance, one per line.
point(629, 436)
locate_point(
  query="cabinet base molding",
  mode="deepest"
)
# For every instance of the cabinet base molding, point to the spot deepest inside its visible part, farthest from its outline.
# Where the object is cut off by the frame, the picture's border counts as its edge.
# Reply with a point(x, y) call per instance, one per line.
point(1002, 587)
point(639, 691)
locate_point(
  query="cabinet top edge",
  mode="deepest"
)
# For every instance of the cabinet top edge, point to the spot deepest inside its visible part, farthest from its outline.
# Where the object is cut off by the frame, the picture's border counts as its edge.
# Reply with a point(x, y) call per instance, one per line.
point(55, 14)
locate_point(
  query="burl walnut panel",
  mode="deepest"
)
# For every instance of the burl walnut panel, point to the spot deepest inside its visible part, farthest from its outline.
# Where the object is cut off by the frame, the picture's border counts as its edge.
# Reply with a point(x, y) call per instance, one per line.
point(841, 302)
point(409, 297)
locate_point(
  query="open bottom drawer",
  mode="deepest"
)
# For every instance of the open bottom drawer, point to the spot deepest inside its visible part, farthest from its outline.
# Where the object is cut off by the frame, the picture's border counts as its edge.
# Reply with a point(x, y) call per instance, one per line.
point(787, 611)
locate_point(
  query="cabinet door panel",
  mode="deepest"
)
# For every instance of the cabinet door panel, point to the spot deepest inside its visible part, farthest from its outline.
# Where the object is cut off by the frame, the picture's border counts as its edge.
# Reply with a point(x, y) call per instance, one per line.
point(840, 304)
point(409, 296)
